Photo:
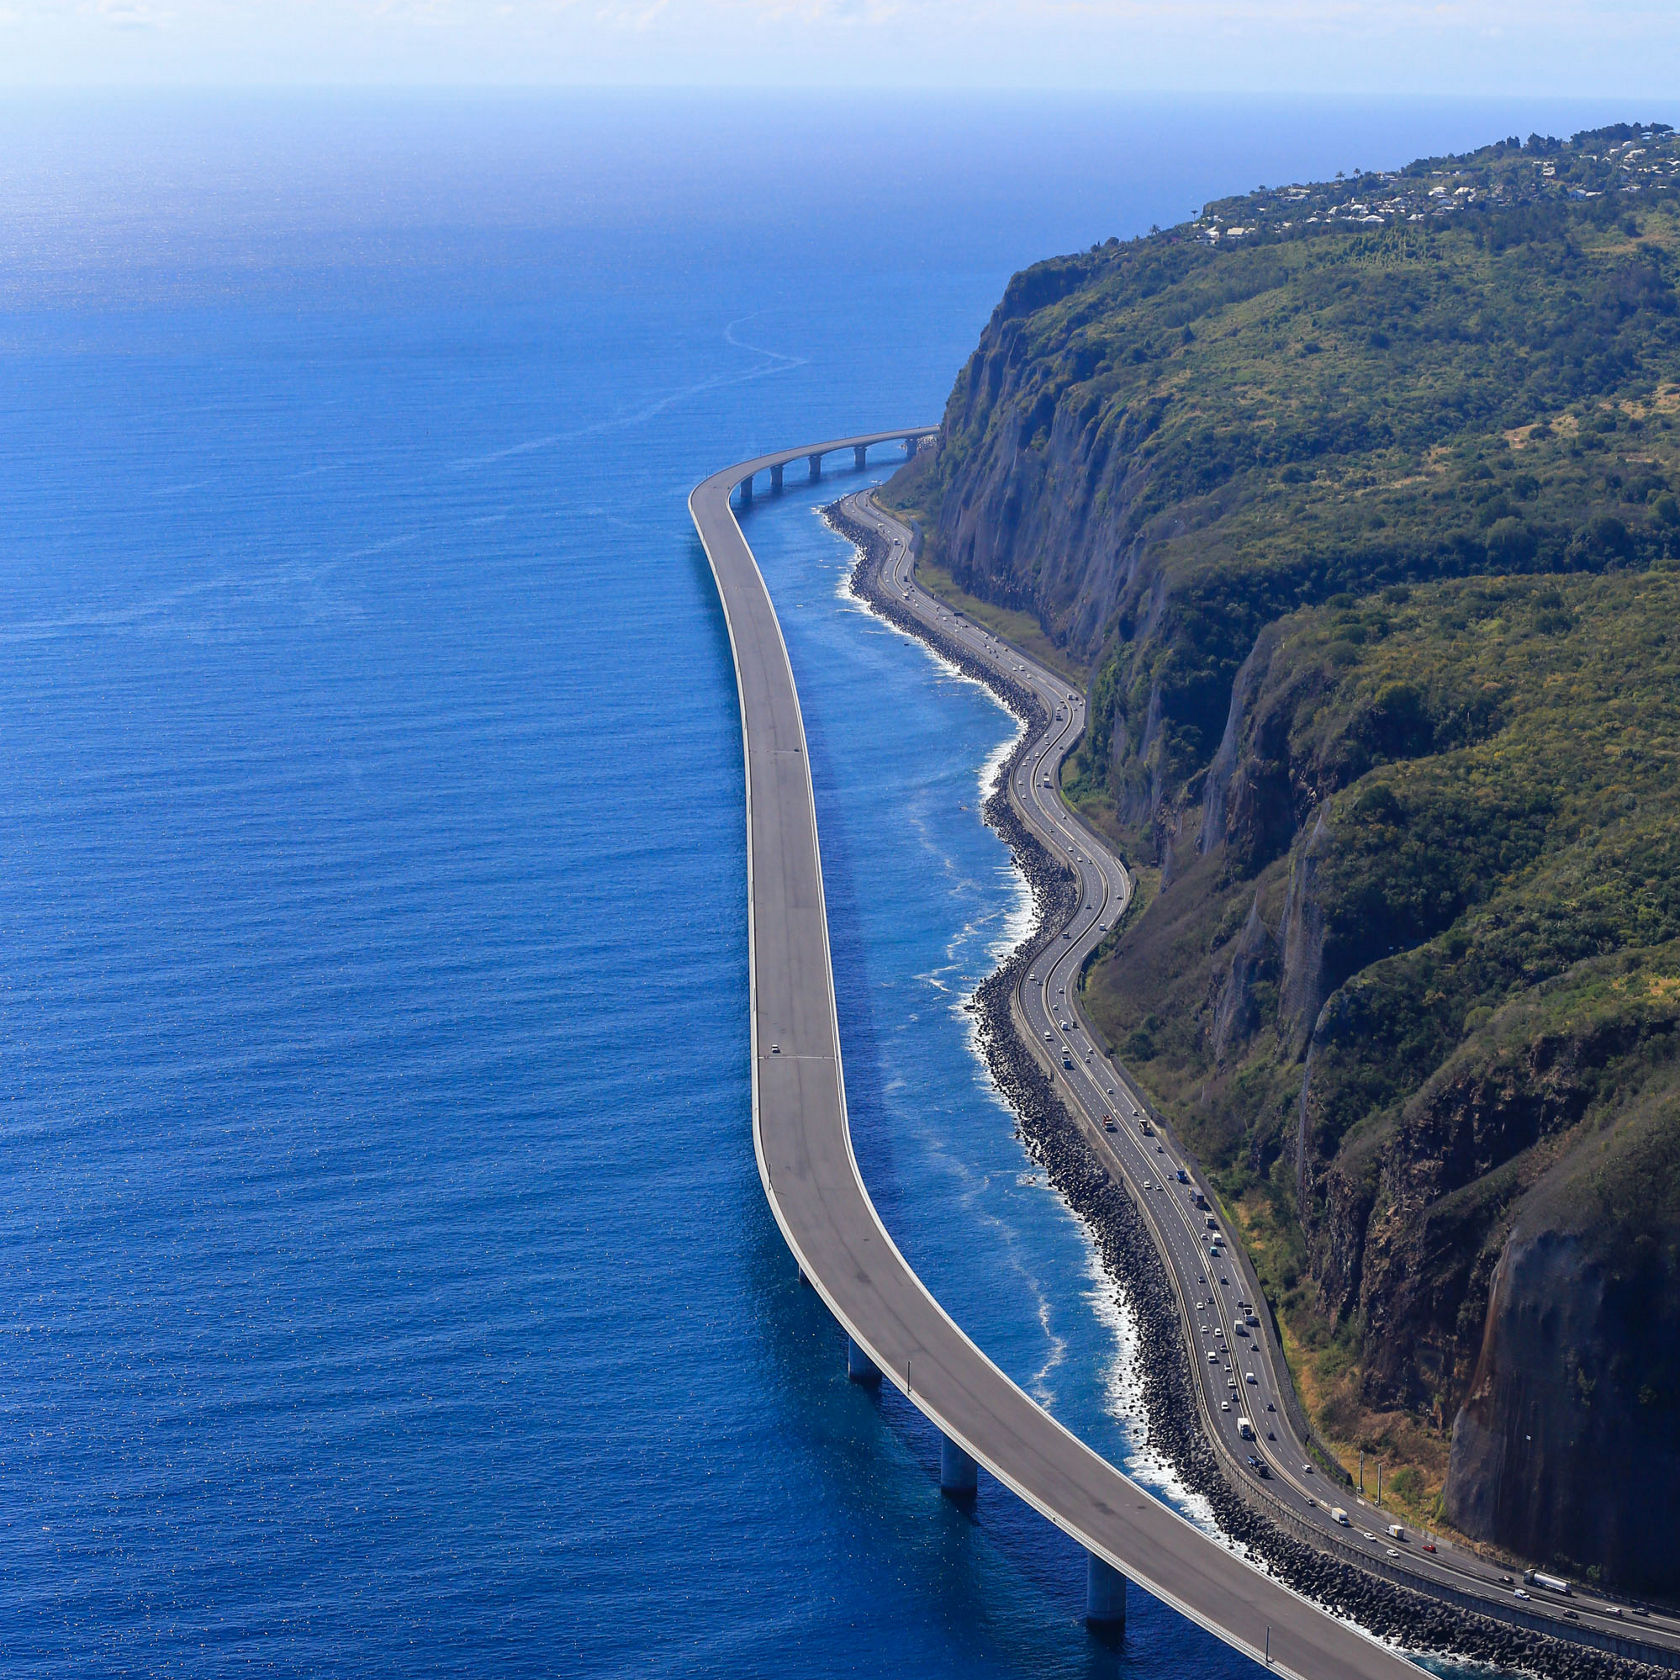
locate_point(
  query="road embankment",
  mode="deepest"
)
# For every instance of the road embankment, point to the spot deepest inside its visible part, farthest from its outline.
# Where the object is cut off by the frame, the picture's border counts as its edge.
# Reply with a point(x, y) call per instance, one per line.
point(1129, 1256)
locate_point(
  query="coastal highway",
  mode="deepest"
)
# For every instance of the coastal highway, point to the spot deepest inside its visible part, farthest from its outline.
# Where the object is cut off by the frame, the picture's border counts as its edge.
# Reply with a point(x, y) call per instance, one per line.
point(1240, 1370)
point(818, 1198)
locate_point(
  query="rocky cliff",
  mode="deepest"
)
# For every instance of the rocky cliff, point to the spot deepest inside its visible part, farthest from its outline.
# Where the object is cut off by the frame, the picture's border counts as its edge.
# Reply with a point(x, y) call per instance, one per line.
point(1365, 530)
point(1578, 1373)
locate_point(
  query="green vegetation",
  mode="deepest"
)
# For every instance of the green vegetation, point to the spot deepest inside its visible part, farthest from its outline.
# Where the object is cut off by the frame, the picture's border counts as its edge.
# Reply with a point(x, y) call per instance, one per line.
point(1361, 503)
point(1500, 903)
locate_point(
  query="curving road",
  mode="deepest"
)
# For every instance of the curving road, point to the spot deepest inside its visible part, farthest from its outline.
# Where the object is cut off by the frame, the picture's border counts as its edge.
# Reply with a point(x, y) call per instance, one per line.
point(1241, 1371)
point(818, 1197)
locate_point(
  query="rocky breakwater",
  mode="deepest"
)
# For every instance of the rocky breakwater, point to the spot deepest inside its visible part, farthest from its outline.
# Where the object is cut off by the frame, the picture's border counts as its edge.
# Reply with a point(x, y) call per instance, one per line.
point(1053, 1140)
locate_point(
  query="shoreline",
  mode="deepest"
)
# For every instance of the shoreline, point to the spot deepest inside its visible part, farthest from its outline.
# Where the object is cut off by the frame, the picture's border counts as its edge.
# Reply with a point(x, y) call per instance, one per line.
point(1130, 1264)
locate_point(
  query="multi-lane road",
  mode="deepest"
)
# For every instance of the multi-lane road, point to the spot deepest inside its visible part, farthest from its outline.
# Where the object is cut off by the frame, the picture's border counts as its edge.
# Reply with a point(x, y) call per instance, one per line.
point(817, 1195)
point(1239, 1367)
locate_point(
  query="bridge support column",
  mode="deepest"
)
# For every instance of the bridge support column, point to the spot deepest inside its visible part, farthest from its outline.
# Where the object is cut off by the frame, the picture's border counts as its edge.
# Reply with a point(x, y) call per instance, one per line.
point(859, 451)
point(911, 445)
point(959, 1475)
point(860, 1367)
point(815, 464)
point(1105, 1594)
point(746, 492)
point(776, 479)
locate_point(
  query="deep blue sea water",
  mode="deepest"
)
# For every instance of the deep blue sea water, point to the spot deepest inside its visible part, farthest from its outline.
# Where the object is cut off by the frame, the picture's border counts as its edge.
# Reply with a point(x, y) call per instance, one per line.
point(385, 1283)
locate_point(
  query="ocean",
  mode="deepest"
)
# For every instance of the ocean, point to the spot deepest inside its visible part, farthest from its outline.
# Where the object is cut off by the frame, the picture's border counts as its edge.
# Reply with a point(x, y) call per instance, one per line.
point(385, 1282)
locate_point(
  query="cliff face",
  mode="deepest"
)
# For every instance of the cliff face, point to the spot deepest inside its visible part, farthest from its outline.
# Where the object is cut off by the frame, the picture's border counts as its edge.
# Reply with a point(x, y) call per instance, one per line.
point(1367, 539)
point(1372, 993)
point(1568, 1443)
point(1039, 517)
point(1160, 448)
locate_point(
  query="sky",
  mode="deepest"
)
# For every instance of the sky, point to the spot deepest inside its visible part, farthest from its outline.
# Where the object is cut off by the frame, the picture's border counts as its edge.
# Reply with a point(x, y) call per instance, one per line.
point(1624, 49)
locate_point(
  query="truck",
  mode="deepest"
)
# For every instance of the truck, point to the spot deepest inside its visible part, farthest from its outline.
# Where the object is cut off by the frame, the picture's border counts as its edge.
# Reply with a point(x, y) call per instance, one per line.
point(1397, 1531)
point(1182, 1176)
point(1245, 1429)
point(1338, 1515)
point(1552, 1583)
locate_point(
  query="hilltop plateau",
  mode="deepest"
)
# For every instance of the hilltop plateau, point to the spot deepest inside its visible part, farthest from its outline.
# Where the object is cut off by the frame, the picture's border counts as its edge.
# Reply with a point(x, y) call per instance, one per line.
point(1357, 501)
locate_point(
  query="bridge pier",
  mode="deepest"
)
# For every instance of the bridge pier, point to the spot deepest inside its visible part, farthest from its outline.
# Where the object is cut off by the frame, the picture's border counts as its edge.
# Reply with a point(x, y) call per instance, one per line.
point(815, 464)
point(911, 445)
point(859, 451)
point(860, 1367)
point(1105, 1594)
point(959, 1475)
point(776, 479)
point(746, 491)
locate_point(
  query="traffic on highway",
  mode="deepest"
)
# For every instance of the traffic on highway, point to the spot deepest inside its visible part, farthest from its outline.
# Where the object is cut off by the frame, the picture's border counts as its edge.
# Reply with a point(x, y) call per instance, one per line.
point(897, 1331)
point(1241, 1376)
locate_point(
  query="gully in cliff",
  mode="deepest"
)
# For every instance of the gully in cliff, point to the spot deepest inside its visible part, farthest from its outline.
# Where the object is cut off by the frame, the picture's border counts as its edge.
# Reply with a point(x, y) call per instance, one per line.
point(1128, 1253)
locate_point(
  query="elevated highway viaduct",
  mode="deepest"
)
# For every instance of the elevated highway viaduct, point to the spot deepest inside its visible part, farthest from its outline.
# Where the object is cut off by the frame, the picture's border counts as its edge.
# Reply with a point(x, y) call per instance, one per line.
point(811, 1179)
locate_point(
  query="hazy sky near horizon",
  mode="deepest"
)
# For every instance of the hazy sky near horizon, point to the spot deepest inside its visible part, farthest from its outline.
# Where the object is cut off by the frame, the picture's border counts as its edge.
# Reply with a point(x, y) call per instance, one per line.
point(1616, 48)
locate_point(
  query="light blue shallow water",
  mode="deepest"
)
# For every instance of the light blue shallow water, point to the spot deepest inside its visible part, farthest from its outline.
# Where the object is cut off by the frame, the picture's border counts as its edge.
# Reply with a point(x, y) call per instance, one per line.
point(385, 1284)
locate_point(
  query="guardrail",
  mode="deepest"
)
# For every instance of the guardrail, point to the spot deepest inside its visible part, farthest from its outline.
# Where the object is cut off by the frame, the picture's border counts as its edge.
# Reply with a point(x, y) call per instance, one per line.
point(1628, 1645)
point(1260, 1500)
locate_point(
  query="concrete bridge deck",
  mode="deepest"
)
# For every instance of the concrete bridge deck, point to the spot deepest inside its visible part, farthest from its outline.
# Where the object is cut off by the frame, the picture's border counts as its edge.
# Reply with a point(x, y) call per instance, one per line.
point(818, 1197)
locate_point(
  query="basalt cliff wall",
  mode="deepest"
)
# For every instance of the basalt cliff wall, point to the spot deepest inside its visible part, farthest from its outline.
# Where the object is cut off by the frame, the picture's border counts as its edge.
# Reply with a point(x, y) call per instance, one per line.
point(1367, 535)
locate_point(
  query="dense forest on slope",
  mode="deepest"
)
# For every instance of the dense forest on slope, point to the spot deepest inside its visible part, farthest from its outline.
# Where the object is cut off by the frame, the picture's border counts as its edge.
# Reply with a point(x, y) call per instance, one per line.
point(1358, 500)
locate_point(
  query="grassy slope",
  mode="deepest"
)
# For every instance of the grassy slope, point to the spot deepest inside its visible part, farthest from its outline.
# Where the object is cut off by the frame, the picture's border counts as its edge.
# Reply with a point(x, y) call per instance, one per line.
point(1437, 463)
point(1549, 841)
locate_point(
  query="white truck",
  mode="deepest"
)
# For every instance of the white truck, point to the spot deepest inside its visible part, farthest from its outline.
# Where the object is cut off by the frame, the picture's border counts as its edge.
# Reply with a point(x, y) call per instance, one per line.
point(1552, 1583)
point(1338, 1515)
point(1245, 1429)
